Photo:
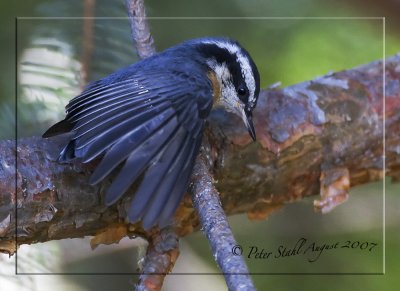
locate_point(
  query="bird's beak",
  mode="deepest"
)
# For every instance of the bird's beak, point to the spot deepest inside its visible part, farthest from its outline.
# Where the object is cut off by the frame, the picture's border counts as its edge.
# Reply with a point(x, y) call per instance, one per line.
point(247, 117)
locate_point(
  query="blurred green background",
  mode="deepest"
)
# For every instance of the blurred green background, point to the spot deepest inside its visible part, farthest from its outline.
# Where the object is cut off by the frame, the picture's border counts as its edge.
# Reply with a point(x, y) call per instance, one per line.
point(49, 57)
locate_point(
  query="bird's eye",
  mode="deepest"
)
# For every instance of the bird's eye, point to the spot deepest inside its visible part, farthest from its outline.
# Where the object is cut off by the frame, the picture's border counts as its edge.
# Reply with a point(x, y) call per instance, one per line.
point(242, 91)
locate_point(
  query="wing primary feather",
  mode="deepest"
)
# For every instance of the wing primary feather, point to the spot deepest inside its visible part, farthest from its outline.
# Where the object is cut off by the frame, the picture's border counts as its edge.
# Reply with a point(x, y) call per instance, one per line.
point(105, 136)
point(89, 108)
point(160, 197)
point(60, 127)
point(98, 111)
point(68, 152)
point(114, 92)
point(180, 187)
point(109, 118)
point(90, 129)
point(195, 149)
point(132, 95)
point(126, 145)
point(139, 160)
point(112, 110)
point(92, 94)
point(155, 177)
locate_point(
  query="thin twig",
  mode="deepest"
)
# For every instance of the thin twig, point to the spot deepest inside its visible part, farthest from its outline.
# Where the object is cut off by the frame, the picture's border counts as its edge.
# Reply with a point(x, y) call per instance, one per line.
point(141, 35)
point(215, 226)
point(87, 41)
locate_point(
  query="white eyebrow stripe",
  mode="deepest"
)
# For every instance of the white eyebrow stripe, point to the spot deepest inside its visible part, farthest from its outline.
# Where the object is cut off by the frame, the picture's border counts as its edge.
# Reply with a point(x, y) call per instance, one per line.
point(245, 67)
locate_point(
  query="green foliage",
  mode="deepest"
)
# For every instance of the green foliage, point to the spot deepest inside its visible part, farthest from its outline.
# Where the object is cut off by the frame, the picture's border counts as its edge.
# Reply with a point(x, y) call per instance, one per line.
point(322, 46)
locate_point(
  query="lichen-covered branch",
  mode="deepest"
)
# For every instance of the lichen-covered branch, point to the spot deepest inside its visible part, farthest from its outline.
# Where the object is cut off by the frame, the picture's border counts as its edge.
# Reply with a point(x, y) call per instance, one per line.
point(321, 136)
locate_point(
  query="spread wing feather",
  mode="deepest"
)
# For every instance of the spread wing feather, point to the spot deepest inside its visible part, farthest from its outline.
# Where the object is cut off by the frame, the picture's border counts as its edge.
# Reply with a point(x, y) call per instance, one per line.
point(157, 175)
point(148, 122)
point(139, 159)
point(180, 186)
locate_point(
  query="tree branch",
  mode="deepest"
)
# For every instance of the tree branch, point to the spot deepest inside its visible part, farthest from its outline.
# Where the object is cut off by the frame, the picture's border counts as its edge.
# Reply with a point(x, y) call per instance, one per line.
point(162, 253)
point(144, 42)
point(87, 40)
point(216, 227)
point(313, 136)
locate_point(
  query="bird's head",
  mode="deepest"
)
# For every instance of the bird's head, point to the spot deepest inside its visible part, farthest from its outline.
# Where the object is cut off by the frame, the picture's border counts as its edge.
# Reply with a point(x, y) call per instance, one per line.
point(235, 78)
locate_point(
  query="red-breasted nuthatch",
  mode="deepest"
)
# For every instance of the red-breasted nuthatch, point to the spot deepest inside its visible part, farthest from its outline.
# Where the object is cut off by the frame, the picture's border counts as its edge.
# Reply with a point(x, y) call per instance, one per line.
point(149, 118)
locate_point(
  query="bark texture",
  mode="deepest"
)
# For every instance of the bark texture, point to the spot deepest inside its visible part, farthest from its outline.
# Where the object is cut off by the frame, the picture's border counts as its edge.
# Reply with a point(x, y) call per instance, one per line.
point(215, 226)
point(141, 36)
point(316, 137)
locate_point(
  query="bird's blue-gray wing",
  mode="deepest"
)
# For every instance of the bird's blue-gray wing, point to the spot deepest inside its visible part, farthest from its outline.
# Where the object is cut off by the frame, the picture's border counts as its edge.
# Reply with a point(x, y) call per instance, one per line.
point(149, 123)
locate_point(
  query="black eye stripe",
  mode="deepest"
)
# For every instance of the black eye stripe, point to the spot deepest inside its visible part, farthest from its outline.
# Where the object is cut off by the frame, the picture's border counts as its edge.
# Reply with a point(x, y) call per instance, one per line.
point(222, 55)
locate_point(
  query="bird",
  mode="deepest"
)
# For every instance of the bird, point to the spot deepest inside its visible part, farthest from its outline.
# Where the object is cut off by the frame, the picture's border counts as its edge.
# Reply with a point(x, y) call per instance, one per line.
point(147, 120)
